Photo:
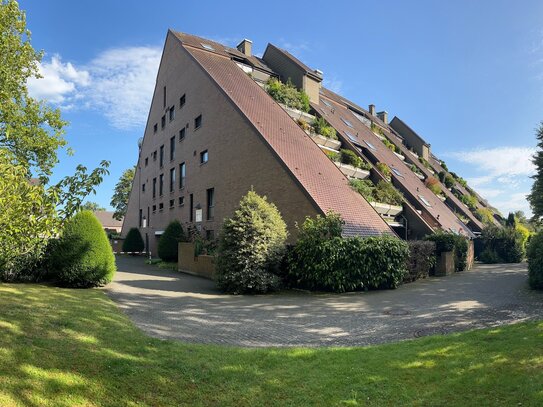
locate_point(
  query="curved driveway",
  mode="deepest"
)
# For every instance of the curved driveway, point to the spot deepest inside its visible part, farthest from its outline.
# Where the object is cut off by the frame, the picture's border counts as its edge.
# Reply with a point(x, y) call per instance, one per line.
point(173, 305)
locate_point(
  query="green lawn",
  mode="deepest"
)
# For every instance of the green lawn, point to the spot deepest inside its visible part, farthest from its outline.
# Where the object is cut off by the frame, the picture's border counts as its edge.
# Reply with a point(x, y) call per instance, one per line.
point(62, 347)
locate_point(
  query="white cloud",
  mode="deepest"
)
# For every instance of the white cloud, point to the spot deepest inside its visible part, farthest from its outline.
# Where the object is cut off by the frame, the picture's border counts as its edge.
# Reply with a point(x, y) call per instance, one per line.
point(332, 83)
point(119, 82)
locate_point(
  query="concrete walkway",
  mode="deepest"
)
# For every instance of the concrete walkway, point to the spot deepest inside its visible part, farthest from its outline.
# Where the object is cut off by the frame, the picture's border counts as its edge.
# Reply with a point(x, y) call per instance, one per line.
point(168, 304)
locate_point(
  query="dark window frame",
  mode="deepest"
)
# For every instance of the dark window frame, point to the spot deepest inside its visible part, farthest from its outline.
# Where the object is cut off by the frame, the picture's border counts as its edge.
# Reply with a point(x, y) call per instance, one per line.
point(172, 179)
point(161, 185)
point(204, 155)
point(197, 122)
point(182, 175)
point(172, 148)
point(182, 100)
point(210, 203)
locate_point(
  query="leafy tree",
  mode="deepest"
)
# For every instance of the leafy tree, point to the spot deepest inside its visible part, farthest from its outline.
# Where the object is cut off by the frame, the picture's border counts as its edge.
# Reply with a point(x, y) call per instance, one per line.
point(121, 194)
point(31, 133)
point(169, 242)
point(133, 243)
point(511, 222)
point(535, 262)
point(251, 246)
point(92, 206)
point(536, 195)
point(83, 256)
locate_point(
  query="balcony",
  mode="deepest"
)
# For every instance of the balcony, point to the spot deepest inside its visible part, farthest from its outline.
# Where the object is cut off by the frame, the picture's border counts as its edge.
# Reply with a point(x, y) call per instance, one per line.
point(351, 171)
point(386, 209)
point(324, 141)
point(297, 114)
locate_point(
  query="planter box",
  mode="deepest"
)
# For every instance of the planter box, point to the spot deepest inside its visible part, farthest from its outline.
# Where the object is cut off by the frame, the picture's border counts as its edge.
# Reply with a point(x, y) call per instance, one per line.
point(386, 209)
point(203, 265)
point(445, 264)
point(353, 172)
point(419, 175)
point(401, 157)
point(325, 142)
point(297, 114)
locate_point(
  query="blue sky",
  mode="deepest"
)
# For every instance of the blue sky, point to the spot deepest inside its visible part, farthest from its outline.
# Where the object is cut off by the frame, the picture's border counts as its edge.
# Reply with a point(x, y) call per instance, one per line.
point(466, 75)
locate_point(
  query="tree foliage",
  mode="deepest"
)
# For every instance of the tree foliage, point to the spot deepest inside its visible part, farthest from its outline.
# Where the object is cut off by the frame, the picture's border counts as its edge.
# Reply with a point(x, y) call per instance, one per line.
point(92, 206)
point(121, 194)
point(133, 243)
point(535, 262)
point(251, 246)
point(287, 94)
point(535, 198)
point(169, 242)
point(83, 256)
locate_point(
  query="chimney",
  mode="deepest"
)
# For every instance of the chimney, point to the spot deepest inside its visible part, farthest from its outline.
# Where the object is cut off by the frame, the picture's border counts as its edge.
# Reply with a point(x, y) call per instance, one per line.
point(371, 108)
point(245, 47)
point(383, 116)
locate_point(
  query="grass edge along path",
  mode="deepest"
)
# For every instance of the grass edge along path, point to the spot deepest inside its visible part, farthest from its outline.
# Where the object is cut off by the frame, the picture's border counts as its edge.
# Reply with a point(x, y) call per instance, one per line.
point(64, 347)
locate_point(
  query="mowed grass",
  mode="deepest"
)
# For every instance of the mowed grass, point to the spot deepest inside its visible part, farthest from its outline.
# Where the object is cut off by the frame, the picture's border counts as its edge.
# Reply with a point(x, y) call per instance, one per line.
point(62, 347)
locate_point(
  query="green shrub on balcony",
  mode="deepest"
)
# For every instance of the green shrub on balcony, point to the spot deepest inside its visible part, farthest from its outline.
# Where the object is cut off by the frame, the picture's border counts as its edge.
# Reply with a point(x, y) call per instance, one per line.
point(321, 126)
point(383, 192)
point(443, 165)
point(485, 215)
point(433, 185)
point(415, 169)
point(303, 124)
point(384, 169)
point(423, 161)
point(376, 129)
point(350, 158)
point(287, 94)
point(470, 201)
point(446, 179)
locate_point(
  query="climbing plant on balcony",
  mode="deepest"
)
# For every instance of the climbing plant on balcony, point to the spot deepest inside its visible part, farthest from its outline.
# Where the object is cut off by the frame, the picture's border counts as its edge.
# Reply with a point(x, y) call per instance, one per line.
point(350, 158)
point(384, 169)
point(321, 126)
point(383, 192)
point(287, 94)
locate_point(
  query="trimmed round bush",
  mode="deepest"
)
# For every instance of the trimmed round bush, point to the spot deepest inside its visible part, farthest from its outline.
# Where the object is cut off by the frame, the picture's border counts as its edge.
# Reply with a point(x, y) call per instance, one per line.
point(82, 256)
point(168, 245)
point(133, 243)
point(535, 262)
point(251, 247)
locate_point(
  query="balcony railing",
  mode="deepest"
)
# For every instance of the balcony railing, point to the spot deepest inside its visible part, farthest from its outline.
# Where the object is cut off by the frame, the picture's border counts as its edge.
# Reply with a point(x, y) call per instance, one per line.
point(325, 141)
point(353, 172)
point(297, 114)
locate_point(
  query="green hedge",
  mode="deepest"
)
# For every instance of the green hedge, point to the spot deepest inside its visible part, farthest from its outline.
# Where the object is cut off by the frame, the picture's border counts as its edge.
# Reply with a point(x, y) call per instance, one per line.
point(421, 260)
point(288, 94)
point(168, 245)
point(133, 243)
point(502, 245)
point(535, 261)
point(82, 256)
point(450, 242)
point(323, 260)
point(251, 247)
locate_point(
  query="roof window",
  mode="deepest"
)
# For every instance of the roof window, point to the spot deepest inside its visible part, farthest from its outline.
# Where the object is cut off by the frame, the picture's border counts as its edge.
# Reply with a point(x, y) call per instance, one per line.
point(397, 172)
point(351, 137)
point(208, 47)
point(425, 201)
point(371, 146)
point(347, 122)
point(327, 103)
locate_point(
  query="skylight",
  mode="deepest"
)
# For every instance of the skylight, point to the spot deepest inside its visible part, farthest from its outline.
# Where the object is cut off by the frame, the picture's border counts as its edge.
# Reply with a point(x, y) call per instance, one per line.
point(351, 136)
point(326, 102)
point(347, 122)
point(425, 201)
point(397, 172)
point(370, 145)
point(208, 47)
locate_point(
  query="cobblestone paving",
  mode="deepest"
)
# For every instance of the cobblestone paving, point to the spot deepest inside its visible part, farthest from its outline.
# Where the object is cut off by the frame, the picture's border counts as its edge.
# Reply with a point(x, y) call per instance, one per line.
point(173, 305)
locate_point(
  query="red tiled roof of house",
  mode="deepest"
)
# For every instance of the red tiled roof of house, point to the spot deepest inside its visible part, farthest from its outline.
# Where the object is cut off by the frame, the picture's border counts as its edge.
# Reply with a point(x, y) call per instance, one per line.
point(363, 136)
point(303, 159)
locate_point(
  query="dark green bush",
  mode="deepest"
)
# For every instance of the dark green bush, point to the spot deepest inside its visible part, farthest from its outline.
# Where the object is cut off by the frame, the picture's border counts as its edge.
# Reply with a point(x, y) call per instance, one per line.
point(535, 261)
point(251, 247)
point(383, 192)
point(133, 243)
point(322, 127)
point(323, 260)
point(502, 245)
point(169, 242)
point(450, 242)
point(83, 256)
point(288, 94)
point(350, 158)
point(422, 258)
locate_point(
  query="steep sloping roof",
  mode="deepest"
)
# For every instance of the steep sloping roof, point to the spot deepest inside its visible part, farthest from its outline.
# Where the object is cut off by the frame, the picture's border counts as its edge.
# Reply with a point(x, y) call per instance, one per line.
point(357, 133)
point(107, 220)
point(315, 173)
point(294, 60)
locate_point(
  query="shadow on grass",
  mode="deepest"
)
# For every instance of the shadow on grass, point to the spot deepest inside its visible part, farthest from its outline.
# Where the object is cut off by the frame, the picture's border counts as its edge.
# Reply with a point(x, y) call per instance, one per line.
point(61, 347)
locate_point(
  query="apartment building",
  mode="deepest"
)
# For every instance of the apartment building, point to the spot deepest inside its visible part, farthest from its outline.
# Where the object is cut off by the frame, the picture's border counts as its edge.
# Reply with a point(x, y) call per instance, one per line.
point(213, 133)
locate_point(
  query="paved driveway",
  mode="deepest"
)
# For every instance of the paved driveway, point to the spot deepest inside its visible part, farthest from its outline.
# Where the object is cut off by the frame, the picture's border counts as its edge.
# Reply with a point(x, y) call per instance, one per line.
point(168, 304)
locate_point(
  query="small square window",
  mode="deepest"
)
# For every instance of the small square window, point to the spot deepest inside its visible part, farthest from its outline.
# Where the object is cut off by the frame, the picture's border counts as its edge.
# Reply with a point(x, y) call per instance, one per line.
point(181, 201)
point(154, 208)
point(181, 134)
point(155, 128)
point(172, 203)
point(198, 122)
point(163, 122)
point(204, 157)
point(160, 206)
point(182, 101)
point(172, 113)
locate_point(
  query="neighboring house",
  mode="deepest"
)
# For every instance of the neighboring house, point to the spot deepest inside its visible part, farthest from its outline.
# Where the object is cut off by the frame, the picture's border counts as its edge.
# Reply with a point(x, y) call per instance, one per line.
point(213, 133)
point(109, 224)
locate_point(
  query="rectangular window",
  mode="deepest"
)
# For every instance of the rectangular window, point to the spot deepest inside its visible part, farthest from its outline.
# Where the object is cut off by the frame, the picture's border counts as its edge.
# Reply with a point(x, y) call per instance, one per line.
point(397, 172)
point(154, 208)
point(172, 113)
point(143, 187)
point(181, 134)
point(172, 179)
point(191, 208)
point(425, 201)
point(182, 174)
point(172, 203)
point(155, 128)
point(164, 96)
point(161, 185)
point(160, 206)
point(210, 203)
point(141, 217)
point(161, 162)
point(182, 101)
point(146, 161)
point(181, 201)
point(198, 122)
point(163, 122)
point(154, 187)
point(172, 148)
point(347, 122)
point(148, 218)
point(154, 155)
point(204, 156)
